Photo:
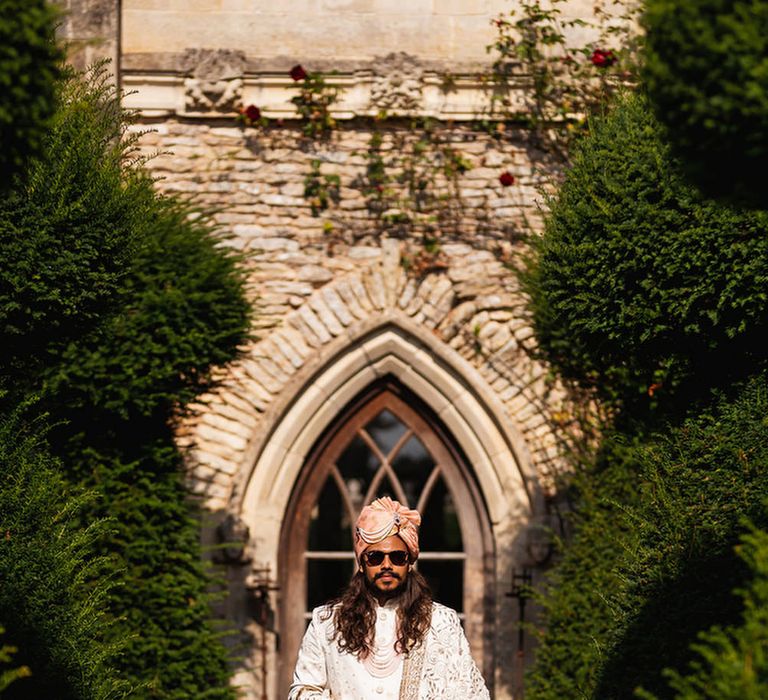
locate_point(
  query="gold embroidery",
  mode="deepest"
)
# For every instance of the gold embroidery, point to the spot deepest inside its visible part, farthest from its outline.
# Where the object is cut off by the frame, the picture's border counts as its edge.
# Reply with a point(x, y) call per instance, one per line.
point(409, 685)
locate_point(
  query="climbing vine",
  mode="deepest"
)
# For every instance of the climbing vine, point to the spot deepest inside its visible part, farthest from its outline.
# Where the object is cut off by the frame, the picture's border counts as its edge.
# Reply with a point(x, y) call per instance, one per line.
point(565, 82)
point(314, 101)
point(320, 190)
point(539, 78)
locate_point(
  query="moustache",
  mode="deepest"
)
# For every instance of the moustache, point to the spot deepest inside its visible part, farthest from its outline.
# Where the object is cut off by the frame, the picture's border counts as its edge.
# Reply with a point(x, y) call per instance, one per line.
point(386, 573)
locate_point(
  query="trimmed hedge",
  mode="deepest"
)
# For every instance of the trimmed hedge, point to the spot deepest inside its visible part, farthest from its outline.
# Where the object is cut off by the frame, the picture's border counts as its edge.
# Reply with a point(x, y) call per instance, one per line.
point(29, 66)
point(639, 287)
point(706, 70)
point(68, 234)
point(653, 564)
point(52, 592)
point(578, 619)
point(732, 662)
point(118, 303)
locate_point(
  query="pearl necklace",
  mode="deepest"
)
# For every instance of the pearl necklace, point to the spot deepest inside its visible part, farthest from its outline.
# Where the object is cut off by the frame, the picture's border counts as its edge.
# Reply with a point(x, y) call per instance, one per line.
point(383, 660)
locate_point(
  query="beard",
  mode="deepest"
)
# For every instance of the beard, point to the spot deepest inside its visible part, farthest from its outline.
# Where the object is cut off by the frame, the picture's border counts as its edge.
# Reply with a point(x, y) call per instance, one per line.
point(374, 590)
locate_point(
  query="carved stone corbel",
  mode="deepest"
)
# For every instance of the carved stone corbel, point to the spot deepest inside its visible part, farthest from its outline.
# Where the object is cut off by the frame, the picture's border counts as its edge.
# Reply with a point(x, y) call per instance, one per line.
point(214, 80)
point(398, 80)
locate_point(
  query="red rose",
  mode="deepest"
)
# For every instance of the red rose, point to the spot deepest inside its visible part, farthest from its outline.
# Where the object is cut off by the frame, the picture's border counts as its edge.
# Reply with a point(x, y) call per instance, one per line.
point(602, 59)
point(298, 73)
point(252, 112)
point(507, 178)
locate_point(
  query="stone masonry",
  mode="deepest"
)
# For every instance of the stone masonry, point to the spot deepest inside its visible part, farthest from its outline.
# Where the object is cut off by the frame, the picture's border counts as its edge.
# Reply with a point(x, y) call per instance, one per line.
point(312, 276)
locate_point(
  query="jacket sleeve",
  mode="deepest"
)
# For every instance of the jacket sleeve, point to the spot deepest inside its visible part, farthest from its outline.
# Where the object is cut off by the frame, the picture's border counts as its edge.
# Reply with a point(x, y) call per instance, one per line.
point(310, 677)
point(458, 675)
point(470, 676)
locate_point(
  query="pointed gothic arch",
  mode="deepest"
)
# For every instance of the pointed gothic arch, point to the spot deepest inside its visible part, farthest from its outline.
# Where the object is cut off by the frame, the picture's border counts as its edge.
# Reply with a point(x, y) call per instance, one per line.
point(387, 442)
point(449, 391)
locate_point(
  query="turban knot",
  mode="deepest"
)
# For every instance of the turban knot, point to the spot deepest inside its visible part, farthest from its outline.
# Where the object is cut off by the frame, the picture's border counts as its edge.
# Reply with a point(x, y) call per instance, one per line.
point(384, 518)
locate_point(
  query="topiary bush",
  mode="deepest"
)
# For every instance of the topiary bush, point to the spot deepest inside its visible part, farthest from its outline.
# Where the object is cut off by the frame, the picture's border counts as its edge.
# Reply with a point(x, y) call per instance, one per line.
point(577, 618)
point(653, 563)
point(706, 70)
point(116, 306)
point(53, 590)
point(640, 288)
point(29, 66)
point(68, 233)
point(732, 662)
point(120, 389)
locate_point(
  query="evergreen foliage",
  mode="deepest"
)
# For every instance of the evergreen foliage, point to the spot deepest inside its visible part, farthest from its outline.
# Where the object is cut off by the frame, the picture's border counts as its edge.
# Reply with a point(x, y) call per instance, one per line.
point(707, 76)
point(641, 580)
point(29, 61)
point(578, 617)
point(52, 585)
point(68, 233)
point(640, 288)
point(117, 305)
point(732, 662)
point(8, 673)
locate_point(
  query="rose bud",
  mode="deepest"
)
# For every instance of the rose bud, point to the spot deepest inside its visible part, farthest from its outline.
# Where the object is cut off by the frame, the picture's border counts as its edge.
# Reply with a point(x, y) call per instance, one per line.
point(507, 178)
point(252, 112)
point(298, 73)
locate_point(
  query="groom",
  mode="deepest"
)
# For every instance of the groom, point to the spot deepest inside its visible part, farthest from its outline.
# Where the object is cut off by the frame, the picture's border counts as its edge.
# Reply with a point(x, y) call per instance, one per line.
point(384, 637)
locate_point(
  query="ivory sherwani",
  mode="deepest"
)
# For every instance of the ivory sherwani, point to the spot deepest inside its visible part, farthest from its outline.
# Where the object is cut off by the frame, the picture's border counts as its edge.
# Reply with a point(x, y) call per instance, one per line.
point(440, 669)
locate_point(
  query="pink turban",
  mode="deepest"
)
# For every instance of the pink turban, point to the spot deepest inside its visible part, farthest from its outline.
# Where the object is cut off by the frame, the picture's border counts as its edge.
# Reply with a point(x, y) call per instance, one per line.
point(385, 517)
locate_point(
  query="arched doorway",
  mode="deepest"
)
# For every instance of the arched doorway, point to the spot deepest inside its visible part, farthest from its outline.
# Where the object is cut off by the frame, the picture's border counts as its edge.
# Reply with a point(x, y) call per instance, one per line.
point(386, 442)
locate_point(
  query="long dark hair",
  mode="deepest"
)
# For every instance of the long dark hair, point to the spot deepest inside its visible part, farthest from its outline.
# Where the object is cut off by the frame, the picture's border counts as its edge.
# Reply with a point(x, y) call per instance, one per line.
point(354, 615)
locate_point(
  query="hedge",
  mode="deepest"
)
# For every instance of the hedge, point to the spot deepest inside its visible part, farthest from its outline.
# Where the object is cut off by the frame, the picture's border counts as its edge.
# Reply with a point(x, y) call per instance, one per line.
point(118, 304)
point(732, 661)
point(29, 66)
point(640, 288)
point(68, 233)
point(707, 76)
point(51, 599)
point(653, 564)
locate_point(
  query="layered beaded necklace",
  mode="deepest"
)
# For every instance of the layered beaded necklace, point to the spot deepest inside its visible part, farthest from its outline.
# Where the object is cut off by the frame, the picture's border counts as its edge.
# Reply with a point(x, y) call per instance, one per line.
point(383, 660)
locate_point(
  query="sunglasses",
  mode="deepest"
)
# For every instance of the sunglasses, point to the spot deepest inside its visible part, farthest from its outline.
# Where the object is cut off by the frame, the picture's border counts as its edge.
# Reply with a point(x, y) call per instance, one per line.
point(399, 557)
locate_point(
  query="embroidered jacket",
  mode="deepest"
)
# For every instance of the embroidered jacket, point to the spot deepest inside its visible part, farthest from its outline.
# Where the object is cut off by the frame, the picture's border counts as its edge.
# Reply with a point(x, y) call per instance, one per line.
point(441, 668)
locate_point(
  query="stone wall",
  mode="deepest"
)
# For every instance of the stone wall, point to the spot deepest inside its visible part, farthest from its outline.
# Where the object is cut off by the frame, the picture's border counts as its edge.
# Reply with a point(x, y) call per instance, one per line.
point(452, 31)
point(91, 32)
point(322, 284)
point(305, 271)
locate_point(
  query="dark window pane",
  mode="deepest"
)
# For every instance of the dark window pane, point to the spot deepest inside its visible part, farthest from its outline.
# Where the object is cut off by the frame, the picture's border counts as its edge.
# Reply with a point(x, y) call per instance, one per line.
point(385, 430)
point(358, 466)
point(413, 465)
point(439, 530)
point(326, 578)
point(329, 526)
point(446, 579)
point(385, 489)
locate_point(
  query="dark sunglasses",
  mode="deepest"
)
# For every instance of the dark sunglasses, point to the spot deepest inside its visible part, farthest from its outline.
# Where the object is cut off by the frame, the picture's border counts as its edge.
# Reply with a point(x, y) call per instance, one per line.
point(375, 558)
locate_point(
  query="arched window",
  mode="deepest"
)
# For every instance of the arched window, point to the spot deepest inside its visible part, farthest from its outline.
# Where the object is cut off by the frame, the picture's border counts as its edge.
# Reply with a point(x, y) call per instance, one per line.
point(385, 443)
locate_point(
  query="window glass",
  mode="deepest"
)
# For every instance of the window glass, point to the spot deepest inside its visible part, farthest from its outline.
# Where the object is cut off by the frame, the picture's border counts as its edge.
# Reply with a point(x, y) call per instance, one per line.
point(446, 579)
point(326, 578)
point(413, 465)
point(386, 489)
point(440, 522)
point(358, 465)
point(385, 430)
point(329, 522)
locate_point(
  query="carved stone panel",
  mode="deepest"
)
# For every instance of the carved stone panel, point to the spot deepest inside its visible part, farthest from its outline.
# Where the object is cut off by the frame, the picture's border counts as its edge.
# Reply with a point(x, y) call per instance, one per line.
point(214, 81)
point(397, 83)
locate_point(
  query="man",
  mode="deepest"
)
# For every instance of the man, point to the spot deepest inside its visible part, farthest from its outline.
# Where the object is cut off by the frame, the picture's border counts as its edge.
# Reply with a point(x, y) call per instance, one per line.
point(384, 637)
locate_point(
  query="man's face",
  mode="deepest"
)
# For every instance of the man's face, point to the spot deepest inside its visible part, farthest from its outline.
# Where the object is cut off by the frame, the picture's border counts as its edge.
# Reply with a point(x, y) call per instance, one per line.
point(386, 577)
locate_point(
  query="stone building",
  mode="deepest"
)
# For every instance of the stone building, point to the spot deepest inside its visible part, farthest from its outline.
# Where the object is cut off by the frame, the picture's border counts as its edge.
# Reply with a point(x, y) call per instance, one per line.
point(392, 350)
